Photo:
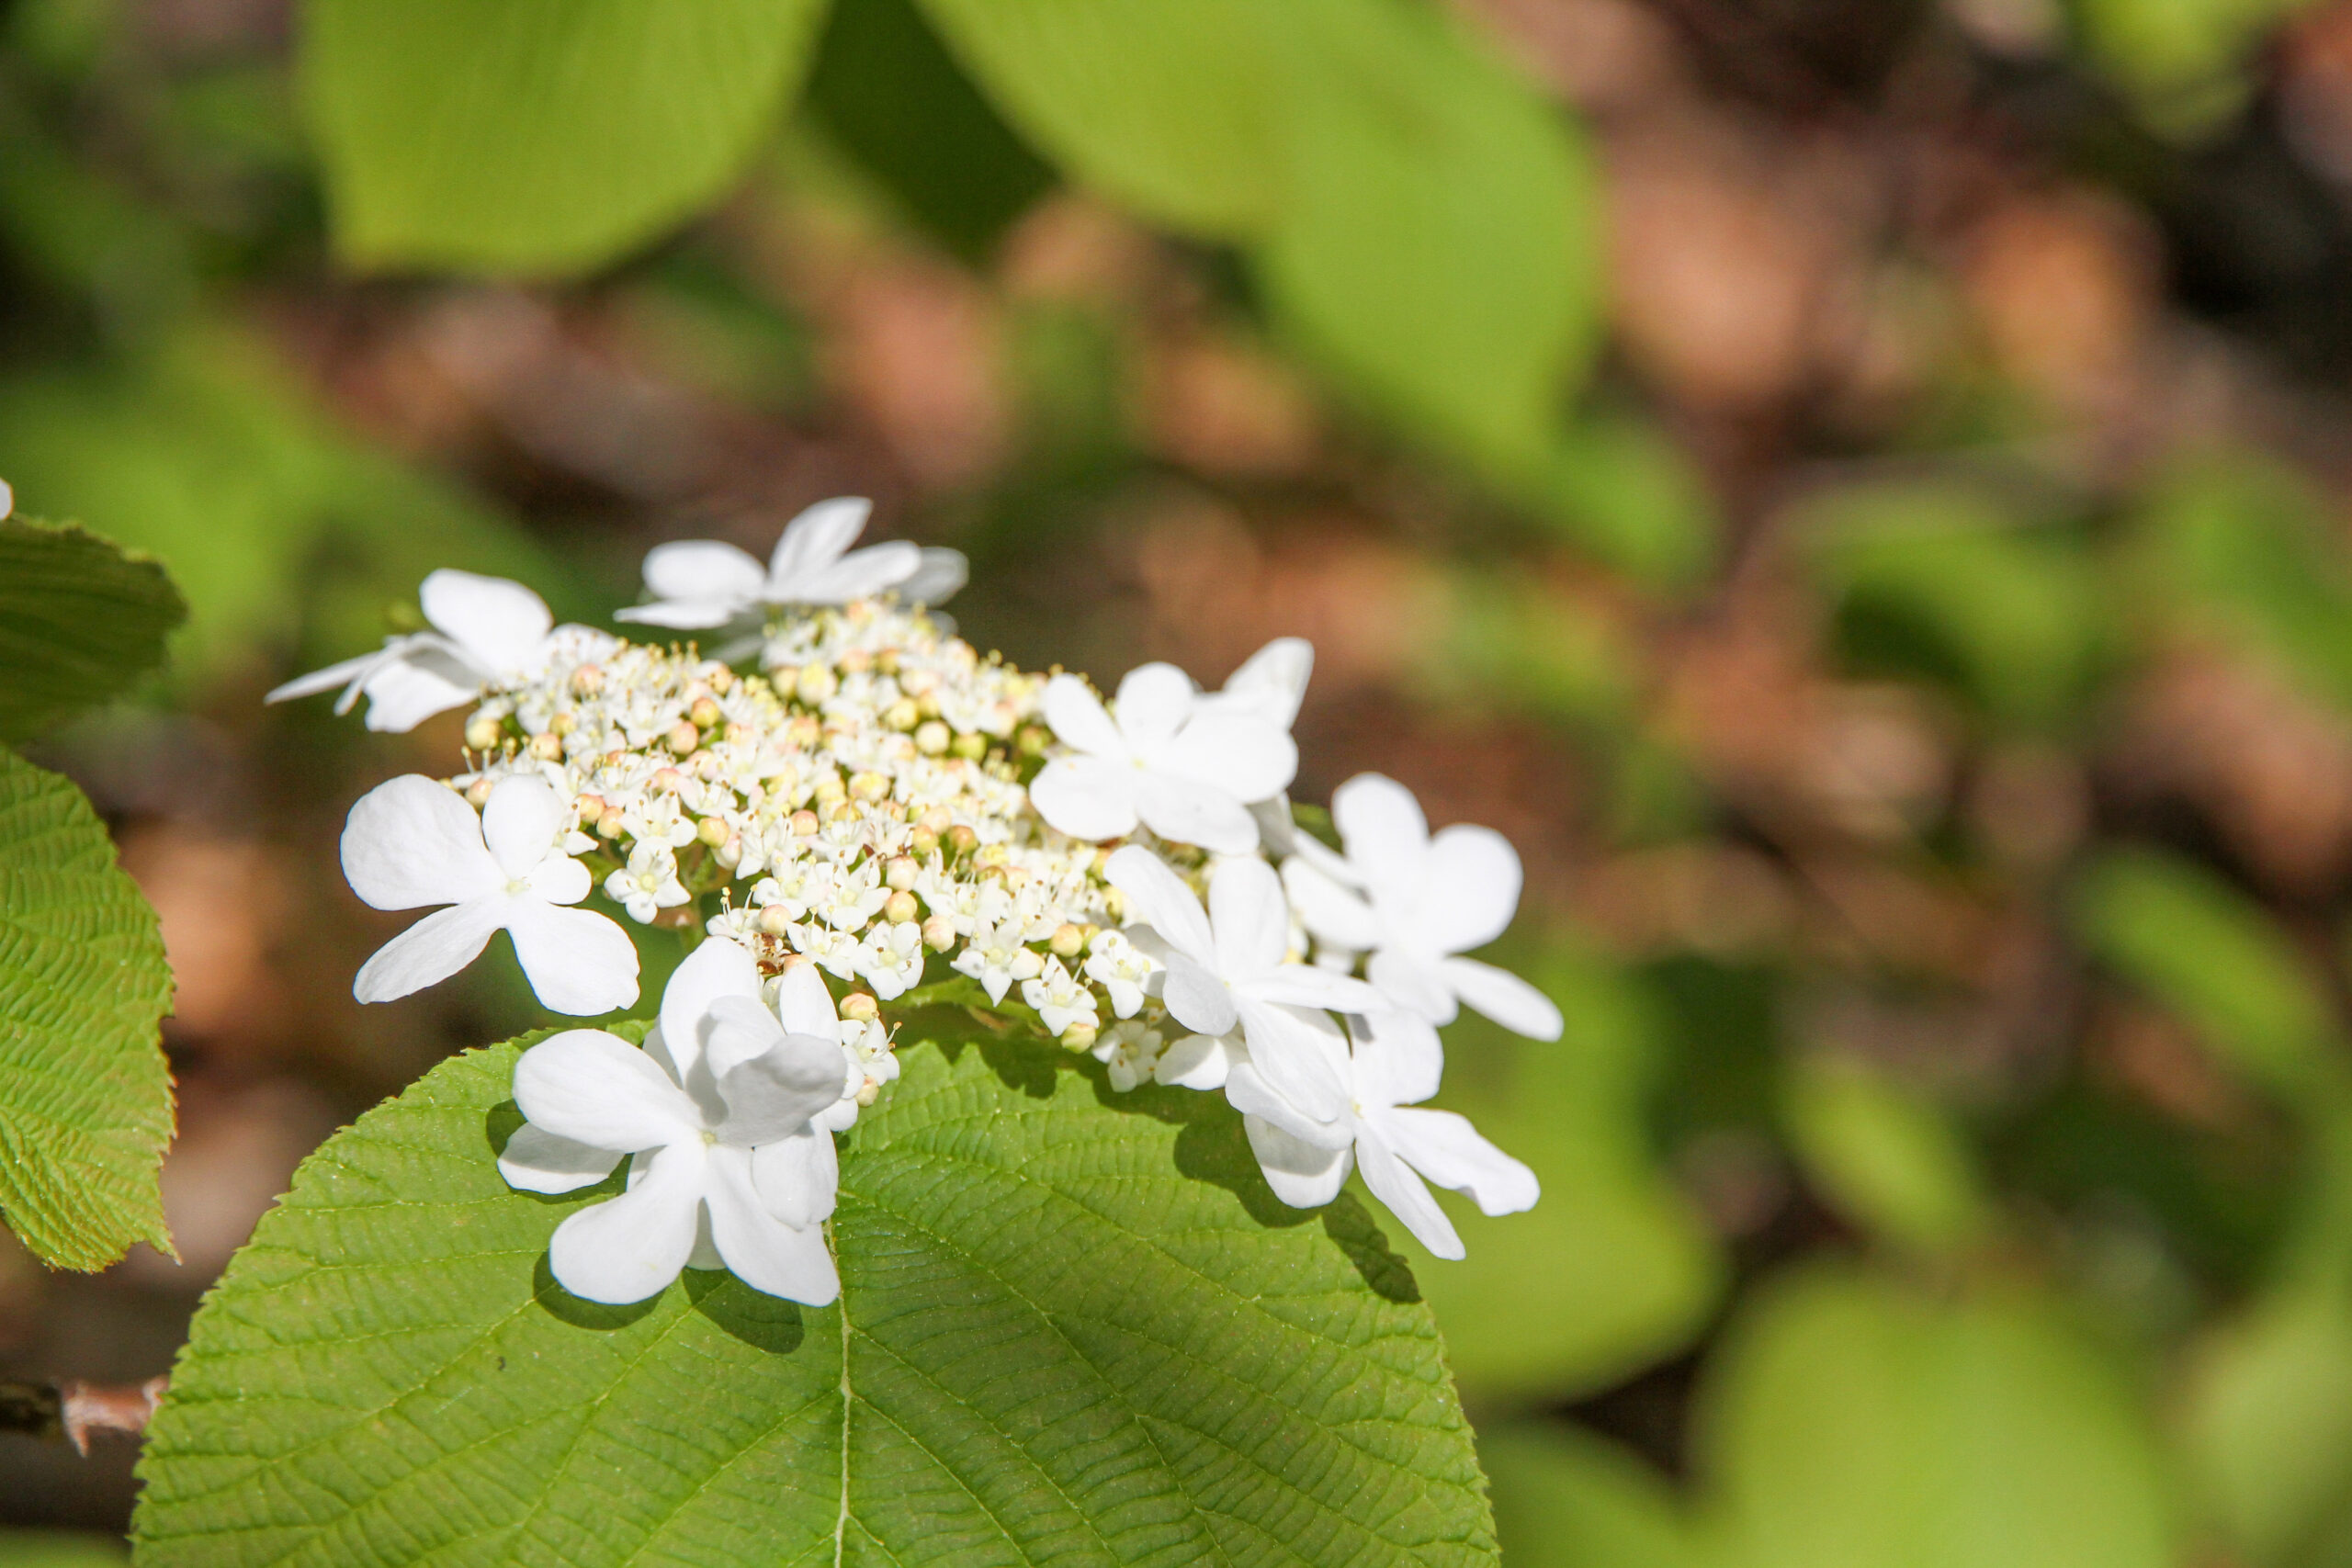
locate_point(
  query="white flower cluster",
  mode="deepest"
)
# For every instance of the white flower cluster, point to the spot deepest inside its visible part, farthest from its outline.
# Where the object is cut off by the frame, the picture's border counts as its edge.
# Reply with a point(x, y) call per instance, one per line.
point(881, 804)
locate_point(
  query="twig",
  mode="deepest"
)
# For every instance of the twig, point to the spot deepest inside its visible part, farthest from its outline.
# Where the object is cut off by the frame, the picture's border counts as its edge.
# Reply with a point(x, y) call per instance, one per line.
point(74, 1409)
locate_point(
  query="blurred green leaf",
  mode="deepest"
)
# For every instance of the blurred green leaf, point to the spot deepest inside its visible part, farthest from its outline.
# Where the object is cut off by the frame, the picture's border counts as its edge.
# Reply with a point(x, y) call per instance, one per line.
point(1514, 640)
point(1567, 1498)
point(1938, 580)
point(2240, 549)
point(1437, 244)
point(86, 1095)
point(2268, 1423)
point(2181, 59)
point(1613, 1270)
point(1853, 1424)
point(1628, 495)
point(1888, 1159)
point(80, 621)
point(894, 98)
point(60, 1549)
point(1172, 107)
point(2213, 957)
point(536, 136)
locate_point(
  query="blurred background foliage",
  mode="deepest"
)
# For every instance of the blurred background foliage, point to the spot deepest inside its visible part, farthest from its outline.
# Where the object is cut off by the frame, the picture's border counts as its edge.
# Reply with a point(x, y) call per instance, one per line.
point(1856, 488)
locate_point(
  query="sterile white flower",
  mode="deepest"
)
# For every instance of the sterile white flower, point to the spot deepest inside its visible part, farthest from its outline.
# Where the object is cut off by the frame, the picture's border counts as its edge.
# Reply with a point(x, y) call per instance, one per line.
point(1395, 1062)
point(1417, 902)
point(1130, 1049)
point(411, 841)
point(486, 631)
point(1270, 685)
point(649, 884)
point(1189, 775)
point(700, 583)
point(725, 1167)
point(1228, 969)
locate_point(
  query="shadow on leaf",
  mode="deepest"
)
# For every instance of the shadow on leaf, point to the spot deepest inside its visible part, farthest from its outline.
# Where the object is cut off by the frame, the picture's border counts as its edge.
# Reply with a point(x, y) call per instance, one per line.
point(562, 1304)
point(761, 1321)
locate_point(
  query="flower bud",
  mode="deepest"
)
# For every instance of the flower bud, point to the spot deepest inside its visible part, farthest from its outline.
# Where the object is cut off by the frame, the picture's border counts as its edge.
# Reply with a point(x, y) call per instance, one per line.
point(868, 1092)
point(856, 661)
point(730, 853)
point(868, 787)
point(704, 713)
point(972, 746)
point(482, 733)
point(611, 823)
point(712, 830)
point(939, 933)
point(1079, 1037)
point(682, 737)
point(564, 723)
point(587, 680)
point(900, 908)
point(1069, 941)
point(774, 921)
point(860, 1008)
point(478, 793)
point(588, 807)
point(804, 823)
point(900, 714)
point(721, 679)
point(937, 819)
point(922, 841)
point(738, 734)
point(548, 748)
point(1031, 741)
point(901, 874)
point(817, 684)
point(961, 839)
point(804, 733)
point(932, 737)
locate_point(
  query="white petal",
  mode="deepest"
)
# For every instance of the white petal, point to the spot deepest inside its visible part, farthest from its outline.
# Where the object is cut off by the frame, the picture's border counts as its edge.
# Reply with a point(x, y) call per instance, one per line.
point(1158, 897)
point(520, 822)
point(1398, 1058)
point(1449, 1151)
point(760, 1250)
point(799, 1177)
point(1471, 891)
point(704, 572)
point(1200, 1060)
point(1154, 702)
point(1247, 1091)
point(1302, 1055)
point(1186, 811)
point(739, 1030)
point(411, 841)
point(325, 680)
point(941, 576)
point(1382, 825)
point(861, 574)
point(1406, 1196)
point(818, 537)
point(428, 952)
point(1277, 829)
point(1196, 998)
point(1406, 982)
point(497, 624)
point(578, 962)
point(404, 692)
point(631, 1246)
point(680, 615)
point(803, 1003)
point(1246, 757)
point(1269, 685)
point(1333, 912)
point(1080, 720)
point(597, 1088)
point(559, 879)
point(1305, 986)
point(1249, 916)
point(777, 1092)
point(716, 968)
point(1087, 797)
point(537, 1160)
point(1303, 1174)
point(1503, 996)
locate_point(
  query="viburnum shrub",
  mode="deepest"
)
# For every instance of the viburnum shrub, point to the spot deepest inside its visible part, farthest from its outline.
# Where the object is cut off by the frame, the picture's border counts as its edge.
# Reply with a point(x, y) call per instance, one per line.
point(925, 893)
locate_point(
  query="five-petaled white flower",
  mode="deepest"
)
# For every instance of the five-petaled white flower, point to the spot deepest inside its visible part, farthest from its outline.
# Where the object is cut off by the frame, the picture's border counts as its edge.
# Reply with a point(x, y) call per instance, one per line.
point(486, 631)
point(1396, 1063)
point(726, 1170)
point(1130, 1050)
point(1188, 772)
point(700, 583)
point(411, 841)
point(1230, 969)
point(649, 884)
point(1415, 903)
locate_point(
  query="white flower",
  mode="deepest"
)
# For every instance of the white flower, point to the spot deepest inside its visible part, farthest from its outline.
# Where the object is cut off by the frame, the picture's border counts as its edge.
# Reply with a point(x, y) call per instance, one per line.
point(1396, 1062)
point(411, 841)
point(659, 817)
point(649, 884)
point(1122, 969)
point(1269, 685)
point(487, 631)
point(995, 957)
point(700, 583)
point(1188, 775)
point(715, 1111)
point(891, 961)
point(1228, 969)
point(1414, 903)
point(1061, 999)
point(1131, 1050)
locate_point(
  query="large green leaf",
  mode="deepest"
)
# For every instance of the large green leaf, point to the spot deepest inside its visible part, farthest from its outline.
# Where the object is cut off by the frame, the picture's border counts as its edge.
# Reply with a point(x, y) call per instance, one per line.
point(1856, 1423)
point(536, 136)
point(1437, 245)
point(1074, 1328)
point(1565, 1498)
point(79, 621)
point(86, 1096)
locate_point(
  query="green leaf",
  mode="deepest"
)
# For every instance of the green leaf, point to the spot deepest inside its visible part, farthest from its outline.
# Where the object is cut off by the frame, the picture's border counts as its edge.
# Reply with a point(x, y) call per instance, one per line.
point(1887, 1159)
point(1175, 108)
point(85, 1096)
point(60, 1549)
point(1074, 1328)
point(1612, 1270)
point(2268, 1423)
point(536, 136)
point(1623, 491)
point(1565, 1498)
point(79, 620)
point(1436, 246)
point(1854, 1424)
point(2213, 957)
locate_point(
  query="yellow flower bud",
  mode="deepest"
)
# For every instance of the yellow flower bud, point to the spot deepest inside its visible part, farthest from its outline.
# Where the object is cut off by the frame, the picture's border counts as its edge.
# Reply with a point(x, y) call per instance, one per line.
point(682, 737)
point(712, 830)
point(483, 734)
point(704, 713)
point(860, 1008)
point(932, 737)
point(547, 748)
point(901, 907)
point(478, 793)
point(817, 684)
point(1079, 1037)
point(774, 921)
point(902, 872)
point(1069, 941)
point(939, 933)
